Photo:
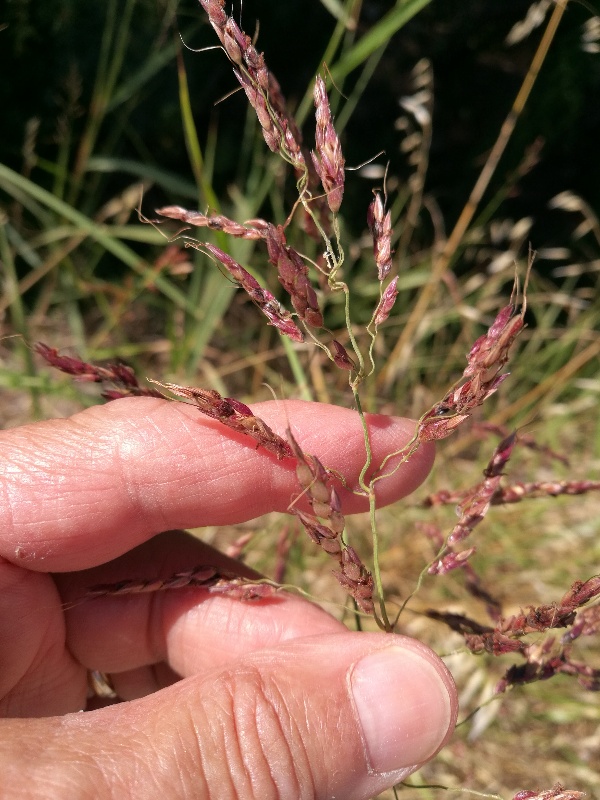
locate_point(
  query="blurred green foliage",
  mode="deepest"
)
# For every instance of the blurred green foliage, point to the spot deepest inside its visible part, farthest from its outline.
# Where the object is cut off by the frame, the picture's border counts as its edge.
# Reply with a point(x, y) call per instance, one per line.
point(49, 53)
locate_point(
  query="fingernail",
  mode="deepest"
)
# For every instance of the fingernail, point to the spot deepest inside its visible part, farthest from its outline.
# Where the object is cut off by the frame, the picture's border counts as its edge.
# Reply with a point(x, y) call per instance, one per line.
point(403, 704)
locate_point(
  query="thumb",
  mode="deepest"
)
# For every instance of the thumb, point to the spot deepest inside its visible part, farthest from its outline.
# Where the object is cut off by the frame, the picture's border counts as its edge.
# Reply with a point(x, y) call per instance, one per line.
point(343, 715)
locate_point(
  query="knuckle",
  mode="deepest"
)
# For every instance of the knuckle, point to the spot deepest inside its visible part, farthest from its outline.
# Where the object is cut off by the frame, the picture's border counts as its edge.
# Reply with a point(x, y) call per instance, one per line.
point(246, 718)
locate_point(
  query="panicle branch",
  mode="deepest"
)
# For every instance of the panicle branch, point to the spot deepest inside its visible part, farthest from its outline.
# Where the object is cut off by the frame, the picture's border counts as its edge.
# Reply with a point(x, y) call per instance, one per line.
point(557, 792)
point(327, 158)
point(542, 660)
point(262, 89)
point(473, 507)
point(205, 577)
point(293, 276)
point(234, 414)
point(215, 222)
point(291, 269)
point(276, 315)
point(380, 225)
point(486, 358)
point(533, 489)
point(326, 525)
point(120, 375)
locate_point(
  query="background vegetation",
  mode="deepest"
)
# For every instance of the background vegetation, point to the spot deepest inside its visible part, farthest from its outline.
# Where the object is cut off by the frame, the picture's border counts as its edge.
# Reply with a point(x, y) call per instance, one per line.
point(103, 102)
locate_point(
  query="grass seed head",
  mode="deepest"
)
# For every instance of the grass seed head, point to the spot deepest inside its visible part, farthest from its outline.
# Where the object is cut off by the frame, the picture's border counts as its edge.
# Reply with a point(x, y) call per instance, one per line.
point(277, 316)
point(380, 225)
point(386, 302)
point(327, 158)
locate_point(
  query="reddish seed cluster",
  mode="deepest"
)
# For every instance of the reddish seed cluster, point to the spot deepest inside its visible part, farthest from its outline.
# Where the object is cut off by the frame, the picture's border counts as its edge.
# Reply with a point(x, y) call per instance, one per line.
point(120, 375)
point(487, 357)
point(521, 491)
point(542, 667)
point(515, 492)
point(326, 524)
point(386, 302)
point(380, 225)
point(205, 577)
point(234, 414)
point(557, 792)
point(291, 269)
point(215, 222)
point(277, 316)
point(293, 276)
point(541, 661)
point(327, 159)
point(261, 88)
point(473, 507)
point(340, 356)
point(587, 623)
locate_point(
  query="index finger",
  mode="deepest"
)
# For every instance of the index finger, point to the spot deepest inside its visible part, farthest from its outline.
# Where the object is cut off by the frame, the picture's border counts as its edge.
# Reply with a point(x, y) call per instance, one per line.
point(81, 491)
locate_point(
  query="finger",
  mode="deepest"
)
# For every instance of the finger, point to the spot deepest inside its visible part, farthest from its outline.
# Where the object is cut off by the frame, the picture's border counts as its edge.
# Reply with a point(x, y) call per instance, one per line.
point(342, 715)
point(84, 490)
point(191, 630)
point(37, 674)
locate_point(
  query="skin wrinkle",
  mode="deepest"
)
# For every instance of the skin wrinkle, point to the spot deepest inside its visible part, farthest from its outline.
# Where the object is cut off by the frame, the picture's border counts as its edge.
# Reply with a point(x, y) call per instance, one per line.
point(297, 772)
point(220, 456)
point(224, 739)
point(43, 761)
point(178, 742)
point(124, 466)
point(181, 484)
point(252, 745)
point(192, 744)
point(48, 492)
point(134, 748)
point(248, 732)
point(223, 469)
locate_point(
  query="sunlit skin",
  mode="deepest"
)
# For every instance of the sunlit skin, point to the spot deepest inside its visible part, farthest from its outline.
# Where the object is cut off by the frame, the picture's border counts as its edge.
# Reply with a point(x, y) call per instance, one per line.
point(223, 698)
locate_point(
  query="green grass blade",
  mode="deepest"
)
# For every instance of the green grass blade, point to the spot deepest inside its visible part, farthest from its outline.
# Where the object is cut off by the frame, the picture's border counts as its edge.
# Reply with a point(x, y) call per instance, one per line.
point(9, 179)
point(380, 34)
point(207, 193)
point(17, 309)
point(169, 181)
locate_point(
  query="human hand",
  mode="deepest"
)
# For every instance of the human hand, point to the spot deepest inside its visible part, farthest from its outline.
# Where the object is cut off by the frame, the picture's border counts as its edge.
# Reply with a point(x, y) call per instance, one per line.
point(278, 699)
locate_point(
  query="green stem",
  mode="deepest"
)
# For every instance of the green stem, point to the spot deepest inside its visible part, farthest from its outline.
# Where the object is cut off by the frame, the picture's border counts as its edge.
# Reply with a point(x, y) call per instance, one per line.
point(384, 622)
point(387, 626)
